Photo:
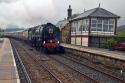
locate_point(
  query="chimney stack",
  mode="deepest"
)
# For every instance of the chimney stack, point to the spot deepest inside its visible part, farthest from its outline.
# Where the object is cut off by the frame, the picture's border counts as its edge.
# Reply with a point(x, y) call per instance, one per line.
point(69, 12)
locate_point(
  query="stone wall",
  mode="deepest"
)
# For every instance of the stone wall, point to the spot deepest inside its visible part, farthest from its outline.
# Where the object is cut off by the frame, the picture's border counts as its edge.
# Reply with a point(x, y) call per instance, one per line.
point(108, 61)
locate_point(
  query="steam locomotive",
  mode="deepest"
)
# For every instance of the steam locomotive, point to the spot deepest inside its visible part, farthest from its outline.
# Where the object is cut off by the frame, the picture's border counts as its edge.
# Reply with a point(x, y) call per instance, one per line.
point(44, 37)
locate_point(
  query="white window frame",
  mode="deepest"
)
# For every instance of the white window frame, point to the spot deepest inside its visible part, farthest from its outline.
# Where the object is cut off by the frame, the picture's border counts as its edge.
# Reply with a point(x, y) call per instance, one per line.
point(102, 25)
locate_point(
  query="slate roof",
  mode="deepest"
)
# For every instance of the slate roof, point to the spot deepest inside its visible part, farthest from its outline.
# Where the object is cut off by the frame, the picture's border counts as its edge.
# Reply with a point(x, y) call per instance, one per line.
point(96, 12)
point(62, 23)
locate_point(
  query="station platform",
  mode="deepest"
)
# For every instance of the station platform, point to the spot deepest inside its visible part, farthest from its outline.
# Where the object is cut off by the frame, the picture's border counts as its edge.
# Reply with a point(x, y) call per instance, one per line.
point(99, 51)
point(8, 69)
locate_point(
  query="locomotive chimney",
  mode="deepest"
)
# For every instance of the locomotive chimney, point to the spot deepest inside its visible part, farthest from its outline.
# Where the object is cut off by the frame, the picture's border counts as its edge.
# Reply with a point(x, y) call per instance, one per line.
point(69, 12)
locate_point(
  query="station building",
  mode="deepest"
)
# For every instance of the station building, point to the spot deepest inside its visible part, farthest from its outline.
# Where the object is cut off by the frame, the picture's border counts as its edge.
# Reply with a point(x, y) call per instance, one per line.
point(92, 27)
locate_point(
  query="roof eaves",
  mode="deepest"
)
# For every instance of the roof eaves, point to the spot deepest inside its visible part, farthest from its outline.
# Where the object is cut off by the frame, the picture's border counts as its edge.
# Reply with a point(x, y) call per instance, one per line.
point(102, 17)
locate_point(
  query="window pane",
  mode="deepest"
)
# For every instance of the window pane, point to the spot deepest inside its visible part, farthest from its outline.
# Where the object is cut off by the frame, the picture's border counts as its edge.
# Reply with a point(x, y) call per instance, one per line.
point(84, 21)
point(72, 28)
point(99, 21)
point(93, 25)
point(99, 27)
point(94, 21)
point(80, 25)
point(105, 28)
point(111, 21)
point(80, 28)
point(105, 21)
point(87, 21)
point(93, 28)
point(111, 28)
point(76, 26)
point(83, 28)
point(87, 26)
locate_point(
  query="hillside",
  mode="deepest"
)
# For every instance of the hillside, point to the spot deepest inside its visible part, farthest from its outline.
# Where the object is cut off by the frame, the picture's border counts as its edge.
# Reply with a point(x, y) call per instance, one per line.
point(12, 28)
point(121, 28)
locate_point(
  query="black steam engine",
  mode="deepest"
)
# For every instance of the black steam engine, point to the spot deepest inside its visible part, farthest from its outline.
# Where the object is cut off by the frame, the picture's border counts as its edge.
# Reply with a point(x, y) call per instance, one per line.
point(44, 37)
point(51, 38)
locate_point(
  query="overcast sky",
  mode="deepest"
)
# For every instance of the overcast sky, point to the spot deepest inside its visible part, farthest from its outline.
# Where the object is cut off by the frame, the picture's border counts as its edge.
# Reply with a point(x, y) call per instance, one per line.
point(26, 13)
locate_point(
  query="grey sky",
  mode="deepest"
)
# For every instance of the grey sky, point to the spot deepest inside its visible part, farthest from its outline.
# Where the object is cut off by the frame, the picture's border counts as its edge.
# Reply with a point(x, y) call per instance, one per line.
point(27, 13)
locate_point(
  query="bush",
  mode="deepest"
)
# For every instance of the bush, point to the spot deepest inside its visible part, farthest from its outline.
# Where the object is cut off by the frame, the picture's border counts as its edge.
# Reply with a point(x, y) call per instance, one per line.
point(111, 43)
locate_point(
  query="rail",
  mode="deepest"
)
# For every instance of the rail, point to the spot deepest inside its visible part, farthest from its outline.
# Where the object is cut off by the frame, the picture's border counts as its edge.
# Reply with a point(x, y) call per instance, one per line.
point(45, 67)
point(91, 80)
point(16, 54)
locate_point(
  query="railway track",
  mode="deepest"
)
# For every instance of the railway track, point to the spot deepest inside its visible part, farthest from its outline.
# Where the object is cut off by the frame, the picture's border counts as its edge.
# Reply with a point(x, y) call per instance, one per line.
point(89, 80)
point(49, 74)
point(85, 77)
point(89, 71)
point(38, 59)
point(88, 63)
point(107, 69)
point(45, 67)
point(24, 76)
point(85, 69)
